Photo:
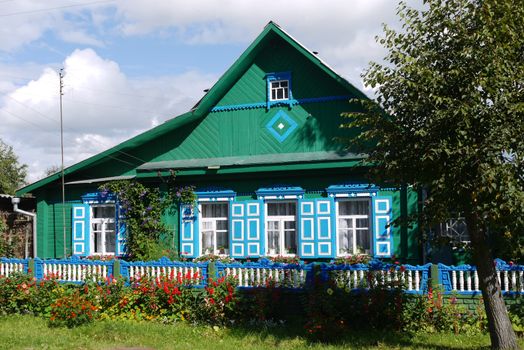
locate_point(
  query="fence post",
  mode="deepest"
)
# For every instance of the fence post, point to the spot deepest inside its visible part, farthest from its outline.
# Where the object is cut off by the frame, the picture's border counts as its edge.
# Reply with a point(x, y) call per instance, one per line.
point(435, 279)
point(212, 272)
point(30, 267)
point(38, 268)
point(116, 269)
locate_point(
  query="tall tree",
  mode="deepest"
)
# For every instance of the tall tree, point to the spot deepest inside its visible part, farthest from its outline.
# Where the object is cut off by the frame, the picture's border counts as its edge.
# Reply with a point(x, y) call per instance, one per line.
point(12, 173)
point(449, 118)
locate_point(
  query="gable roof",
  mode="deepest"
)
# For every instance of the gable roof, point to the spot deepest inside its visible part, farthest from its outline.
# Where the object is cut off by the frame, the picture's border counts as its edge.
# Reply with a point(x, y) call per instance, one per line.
point(206, 103)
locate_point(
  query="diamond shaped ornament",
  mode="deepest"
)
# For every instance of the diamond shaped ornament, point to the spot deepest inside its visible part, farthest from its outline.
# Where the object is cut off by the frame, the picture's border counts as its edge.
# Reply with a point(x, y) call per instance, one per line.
point(281, 126)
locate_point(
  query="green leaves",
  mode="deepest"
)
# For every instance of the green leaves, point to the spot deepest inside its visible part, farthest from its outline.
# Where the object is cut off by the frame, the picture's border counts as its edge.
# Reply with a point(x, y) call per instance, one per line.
point(452, 86)
point(12, 174)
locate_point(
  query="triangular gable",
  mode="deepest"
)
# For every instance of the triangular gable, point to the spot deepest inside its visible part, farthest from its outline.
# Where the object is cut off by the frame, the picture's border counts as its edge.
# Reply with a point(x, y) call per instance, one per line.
point(227, 80)
point(204, 106)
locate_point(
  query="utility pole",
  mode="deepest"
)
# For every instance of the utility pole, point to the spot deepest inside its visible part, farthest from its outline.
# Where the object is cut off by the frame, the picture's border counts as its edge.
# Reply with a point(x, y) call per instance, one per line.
point(61, 76)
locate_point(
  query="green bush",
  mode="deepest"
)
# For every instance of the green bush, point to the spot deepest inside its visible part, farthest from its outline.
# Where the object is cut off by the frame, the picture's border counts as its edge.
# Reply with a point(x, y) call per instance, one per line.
point(72, 309)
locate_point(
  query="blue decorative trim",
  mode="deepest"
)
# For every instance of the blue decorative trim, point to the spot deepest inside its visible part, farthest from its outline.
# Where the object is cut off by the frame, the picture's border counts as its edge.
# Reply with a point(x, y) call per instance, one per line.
point(98, 197)
point(352, 189)
point(215, 193)
point(280, 192)
point(292, 125)
point(291, 102)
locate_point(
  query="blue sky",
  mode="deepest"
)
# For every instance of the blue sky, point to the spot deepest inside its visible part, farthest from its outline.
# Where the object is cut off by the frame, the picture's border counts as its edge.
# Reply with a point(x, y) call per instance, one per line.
point(132, 64)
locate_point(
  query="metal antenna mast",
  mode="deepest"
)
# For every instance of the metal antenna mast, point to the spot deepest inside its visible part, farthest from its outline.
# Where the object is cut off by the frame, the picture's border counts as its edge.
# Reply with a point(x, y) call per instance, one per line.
point(61, 75)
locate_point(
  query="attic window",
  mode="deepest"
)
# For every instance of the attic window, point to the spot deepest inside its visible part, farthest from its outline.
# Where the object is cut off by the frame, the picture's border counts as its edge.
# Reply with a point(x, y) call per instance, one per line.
point(279, 88)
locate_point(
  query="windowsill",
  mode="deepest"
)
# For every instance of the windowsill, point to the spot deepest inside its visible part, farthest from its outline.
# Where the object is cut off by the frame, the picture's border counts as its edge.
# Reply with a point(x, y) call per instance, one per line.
point(286, 255)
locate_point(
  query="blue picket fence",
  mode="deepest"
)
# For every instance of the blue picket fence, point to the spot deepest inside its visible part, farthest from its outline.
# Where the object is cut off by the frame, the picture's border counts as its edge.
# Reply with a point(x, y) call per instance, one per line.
point(11, 266)
point(195, 274)
point(73, 270)
point(412, 279)
point(265, 273)
point(461, 279)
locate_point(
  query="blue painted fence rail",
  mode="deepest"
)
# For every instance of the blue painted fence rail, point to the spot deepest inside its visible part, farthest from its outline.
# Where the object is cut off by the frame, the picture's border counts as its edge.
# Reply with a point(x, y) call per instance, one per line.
point(463, 279)
point(265, 273)
point(413, 279)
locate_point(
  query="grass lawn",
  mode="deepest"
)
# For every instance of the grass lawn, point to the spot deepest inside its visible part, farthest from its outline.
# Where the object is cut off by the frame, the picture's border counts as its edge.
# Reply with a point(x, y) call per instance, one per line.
point(27, 332)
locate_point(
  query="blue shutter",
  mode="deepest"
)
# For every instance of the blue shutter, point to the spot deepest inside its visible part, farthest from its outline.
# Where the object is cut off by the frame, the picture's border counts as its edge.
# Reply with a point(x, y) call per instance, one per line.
point(254, 228)
point(81, 230)
point(306, 227)
point(247, 229)
point(189, 233)
point(325, 227)
point(237, 241)
point(120, 231)
point(382, 216)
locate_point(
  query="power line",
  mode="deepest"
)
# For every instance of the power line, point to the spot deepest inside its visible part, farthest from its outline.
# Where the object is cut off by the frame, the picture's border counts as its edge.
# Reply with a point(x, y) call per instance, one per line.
point(55, 8)
point(68, 129)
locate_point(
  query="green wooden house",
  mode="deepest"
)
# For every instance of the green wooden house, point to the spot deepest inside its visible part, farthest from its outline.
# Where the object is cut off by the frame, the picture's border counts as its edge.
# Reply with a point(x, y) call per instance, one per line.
point(260, 147)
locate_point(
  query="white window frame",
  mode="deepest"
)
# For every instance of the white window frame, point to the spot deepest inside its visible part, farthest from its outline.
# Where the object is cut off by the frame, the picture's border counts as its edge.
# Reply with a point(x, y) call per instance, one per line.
point(213, 222)
point(276, 89)
point(103, 222)
point(281, 219)
point(354, 218)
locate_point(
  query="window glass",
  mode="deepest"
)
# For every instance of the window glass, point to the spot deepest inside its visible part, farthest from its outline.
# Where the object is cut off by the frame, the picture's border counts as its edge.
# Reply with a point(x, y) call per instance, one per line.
point(103, 230)
point(281, 209)
point(214, 210)
point(279, 90)
point(281, 228)
point(354, 207)
point(354, 233)
point(214, 228)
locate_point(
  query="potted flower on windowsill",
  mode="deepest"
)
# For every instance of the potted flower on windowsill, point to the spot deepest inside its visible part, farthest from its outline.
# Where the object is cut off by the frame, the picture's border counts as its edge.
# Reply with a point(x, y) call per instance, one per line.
point(223, 250)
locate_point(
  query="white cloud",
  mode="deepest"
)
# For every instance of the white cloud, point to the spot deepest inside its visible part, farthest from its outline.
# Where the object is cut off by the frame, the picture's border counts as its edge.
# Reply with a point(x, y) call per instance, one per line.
point(102, 107)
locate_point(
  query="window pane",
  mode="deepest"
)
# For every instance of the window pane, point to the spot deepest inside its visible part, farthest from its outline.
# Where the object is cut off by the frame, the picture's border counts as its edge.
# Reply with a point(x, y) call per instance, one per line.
point(222, 240)
point(345, 223)
point(207, 242)
point(273, 94)
point(280, 94)
point(363, 242)
point(362, 223)
point(110, 241)
point(98, 242)
point(289, 225)
point(215, 210)
point(283, 83)
point(345, 241)
point(104, 211)
point(222, 225)
point(354, 207)
point(290, 242)
point(273, 244)
point(281, 209)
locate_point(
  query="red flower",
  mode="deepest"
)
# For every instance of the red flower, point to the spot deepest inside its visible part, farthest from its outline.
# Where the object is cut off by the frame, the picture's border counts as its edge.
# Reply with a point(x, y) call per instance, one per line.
point(212, 301)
